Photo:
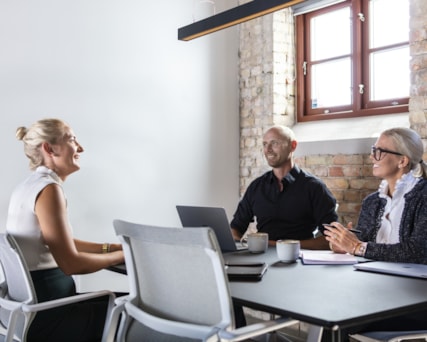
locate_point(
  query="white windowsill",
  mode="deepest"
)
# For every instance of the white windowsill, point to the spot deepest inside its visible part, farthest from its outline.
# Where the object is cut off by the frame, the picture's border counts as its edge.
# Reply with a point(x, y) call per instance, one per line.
point(346, 136)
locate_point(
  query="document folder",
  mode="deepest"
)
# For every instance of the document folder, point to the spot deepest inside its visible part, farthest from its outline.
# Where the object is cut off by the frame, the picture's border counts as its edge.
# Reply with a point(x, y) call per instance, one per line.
point(395, 268)
point(245, 271)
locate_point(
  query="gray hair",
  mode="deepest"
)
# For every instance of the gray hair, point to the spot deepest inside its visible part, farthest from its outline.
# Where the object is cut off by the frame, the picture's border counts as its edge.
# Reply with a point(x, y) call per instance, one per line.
point(407, 142)
point(51, 131)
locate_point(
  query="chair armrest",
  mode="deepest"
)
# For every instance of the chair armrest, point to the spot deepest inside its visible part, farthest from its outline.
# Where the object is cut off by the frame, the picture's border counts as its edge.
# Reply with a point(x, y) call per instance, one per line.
point(113, 320)
point(13, 310)
point(67, 300)
point(256, 329)
point(172, 327)
point(9, 304)
point(121, 300)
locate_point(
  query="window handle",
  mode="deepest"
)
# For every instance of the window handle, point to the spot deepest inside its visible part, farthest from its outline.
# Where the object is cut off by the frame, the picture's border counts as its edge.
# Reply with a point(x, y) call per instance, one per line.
point(361, 17)
point(304, 68)
point(361, 88)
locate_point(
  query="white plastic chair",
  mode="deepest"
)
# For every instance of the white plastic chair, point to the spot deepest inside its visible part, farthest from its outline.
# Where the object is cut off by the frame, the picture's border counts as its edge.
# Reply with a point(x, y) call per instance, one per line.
point(178, 288)
point(18, 301)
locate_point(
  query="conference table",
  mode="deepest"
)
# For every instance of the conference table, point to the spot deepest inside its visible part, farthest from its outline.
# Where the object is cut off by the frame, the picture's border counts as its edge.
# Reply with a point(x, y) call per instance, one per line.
point(331, 297)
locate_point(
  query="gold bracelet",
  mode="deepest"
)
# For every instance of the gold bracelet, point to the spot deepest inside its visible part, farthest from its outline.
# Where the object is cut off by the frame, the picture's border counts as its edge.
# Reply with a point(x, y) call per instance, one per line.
point(105, 248)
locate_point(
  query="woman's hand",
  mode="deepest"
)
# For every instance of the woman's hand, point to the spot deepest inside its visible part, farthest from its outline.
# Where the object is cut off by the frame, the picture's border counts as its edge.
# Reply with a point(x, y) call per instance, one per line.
point(340, 238)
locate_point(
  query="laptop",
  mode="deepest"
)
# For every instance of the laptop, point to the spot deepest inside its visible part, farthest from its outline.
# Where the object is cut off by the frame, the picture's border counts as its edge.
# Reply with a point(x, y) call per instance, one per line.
point(213, 217)
point(395, 268)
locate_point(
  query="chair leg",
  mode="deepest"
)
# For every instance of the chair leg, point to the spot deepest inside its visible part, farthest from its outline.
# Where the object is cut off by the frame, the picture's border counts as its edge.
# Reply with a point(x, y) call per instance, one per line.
point(314, 333)
point(276, 336)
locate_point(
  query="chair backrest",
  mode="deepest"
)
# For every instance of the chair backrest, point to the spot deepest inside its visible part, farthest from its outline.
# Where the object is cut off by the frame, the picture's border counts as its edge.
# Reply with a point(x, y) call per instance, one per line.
point(177, 274)
point(17, 284)
point(15, 271)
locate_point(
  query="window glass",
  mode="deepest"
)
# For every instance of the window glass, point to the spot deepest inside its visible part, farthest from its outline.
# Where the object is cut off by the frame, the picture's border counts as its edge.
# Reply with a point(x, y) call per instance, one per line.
point(389, 22)
point(389, 61)
point(354, 58)
point(331, 84)
point(387, 81)
point(330, 34)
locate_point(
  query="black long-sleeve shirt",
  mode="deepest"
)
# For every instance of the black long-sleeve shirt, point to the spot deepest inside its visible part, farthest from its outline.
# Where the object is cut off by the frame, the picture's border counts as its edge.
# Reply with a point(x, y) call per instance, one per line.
point(304, 204)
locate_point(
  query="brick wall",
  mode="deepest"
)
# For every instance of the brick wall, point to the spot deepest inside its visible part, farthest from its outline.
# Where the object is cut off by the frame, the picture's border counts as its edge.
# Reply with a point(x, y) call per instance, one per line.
point(267, 97)
point(418, 65)
point(349, 177)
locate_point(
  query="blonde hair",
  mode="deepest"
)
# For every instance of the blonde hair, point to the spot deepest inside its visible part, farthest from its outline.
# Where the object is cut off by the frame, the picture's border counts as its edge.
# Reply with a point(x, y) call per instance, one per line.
point(51, 131)
point(408, 143)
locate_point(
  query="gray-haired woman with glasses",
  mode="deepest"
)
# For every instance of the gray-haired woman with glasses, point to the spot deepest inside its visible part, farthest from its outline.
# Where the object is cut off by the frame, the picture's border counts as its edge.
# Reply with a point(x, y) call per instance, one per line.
point(393, 221)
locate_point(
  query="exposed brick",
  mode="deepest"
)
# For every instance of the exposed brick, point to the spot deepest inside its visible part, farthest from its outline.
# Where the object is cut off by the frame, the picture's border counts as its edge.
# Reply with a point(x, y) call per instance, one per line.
point(352, 170)
point(363, 183)
point(336, 171)
point(318, 160)
point(343, 159)
point(267, 97)
point(352, 196)
point(366, 170)
point(338, 194)
point(336, 183)
point(318, 171)
point(347, 207)
point(300, 161)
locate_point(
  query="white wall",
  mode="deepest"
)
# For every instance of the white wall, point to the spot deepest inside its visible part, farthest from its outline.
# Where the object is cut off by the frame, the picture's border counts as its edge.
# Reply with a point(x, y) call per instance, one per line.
point(158, 117)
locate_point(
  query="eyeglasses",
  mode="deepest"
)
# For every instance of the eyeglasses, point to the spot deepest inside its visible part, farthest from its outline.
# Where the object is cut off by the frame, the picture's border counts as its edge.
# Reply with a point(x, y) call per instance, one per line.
point(377, 152)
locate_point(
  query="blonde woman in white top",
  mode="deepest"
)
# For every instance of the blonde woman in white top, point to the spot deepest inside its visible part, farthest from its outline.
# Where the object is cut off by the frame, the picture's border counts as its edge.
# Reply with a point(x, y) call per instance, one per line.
point(38, 219)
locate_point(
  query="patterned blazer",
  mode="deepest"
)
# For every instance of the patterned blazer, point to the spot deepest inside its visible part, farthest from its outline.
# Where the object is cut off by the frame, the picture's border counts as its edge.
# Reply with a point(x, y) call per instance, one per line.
point(412, 231)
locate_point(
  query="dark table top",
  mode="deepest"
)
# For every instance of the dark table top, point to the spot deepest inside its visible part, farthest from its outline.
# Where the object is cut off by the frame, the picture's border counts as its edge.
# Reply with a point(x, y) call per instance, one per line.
point(332, 296)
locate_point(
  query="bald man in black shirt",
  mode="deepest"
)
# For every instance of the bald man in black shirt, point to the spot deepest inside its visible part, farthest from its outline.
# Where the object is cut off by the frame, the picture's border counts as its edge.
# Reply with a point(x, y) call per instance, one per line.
point(287, 202)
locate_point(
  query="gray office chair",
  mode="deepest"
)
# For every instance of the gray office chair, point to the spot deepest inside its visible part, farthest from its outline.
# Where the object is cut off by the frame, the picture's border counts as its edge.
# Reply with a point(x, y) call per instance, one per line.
point(18, 301)
point(390, 336)
point(178, 288)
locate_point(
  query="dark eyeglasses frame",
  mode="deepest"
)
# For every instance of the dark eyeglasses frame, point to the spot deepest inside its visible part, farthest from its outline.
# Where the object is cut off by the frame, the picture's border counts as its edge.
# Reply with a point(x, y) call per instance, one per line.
point(382, 150)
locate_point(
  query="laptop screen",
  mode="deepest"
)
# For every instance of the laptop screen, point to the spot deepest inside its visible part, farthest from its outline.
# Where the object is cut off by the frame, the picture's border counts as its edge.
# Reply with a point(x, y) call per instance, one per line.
point(213, 217)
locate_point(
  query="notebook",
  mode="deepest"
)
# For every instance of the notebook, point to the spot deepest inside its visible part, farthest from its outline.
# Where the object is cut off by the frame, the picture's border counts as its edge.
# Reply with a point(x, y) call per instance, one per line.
point(213, 217)
point(324, 257)
point(245, 271)
point(395, 268)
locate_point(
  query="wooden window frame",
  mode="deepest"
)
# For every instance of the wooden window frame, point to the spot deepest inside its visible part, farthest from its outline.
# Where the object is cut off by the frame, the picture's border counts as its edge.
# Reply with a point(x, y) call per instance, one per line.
point(361, 105)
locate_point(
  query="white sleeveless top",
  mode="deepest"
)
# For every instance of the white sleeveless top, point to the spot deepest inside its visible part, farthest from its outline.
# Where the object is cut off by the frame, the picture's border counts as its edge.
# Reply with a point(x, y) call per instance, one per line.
point(22, 221)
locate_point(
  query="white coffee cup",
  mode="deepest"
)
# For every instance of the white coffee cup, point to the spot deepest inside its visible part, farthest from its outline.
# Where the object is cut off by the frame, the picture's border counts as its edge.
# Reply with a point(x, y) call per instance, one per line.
point(257, 242)
point(288, 250)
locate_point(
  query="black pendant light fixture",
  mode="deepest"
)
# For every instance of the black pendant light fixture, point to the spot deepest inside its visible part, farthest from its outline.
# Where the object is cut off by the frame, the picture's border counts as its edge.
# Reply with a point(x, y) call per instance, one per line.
point(233, 16)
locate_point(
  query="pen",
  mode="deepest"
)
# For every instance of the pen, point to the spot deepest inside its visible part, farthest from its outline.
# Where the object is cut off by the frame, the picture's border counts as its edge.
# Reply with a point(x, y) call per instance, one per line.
point(351, 230)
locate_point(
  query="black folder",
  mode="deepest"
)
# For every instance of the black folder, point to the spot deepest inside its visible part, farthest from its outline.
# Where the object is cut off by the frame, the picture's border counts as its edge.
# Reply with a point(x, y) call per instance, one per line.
point(245, 271)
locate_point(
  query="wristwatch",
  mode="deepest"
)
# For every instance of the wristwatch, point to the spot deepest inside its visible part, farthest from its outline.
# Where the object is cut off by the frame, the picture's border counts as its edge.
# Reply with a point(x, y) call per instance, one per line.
point(361, 249)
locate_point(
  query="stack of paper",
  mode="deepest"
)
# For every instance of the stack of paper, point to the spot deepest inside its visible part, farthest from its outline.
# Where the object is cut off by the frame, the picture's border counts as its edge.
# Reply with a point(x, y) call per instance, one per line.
point(315, 257)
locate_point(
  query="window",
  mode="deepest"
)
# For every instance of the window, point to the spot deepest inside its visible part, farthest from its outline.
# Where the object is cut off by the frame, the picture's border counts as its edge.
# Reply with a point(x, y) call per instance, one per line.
point(353, 60)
